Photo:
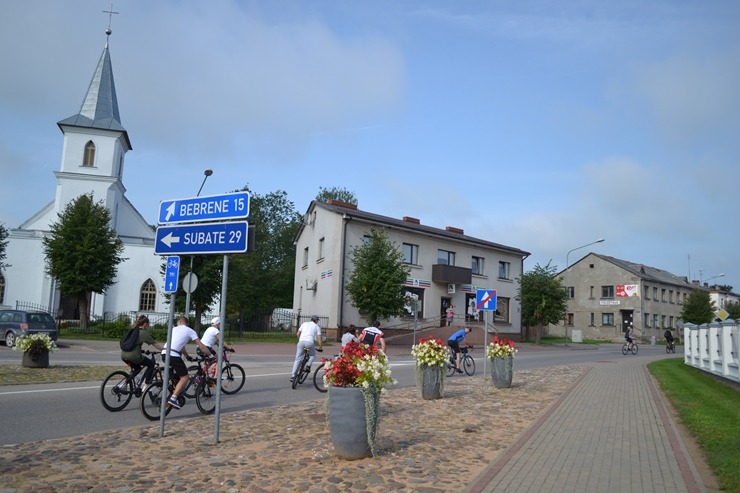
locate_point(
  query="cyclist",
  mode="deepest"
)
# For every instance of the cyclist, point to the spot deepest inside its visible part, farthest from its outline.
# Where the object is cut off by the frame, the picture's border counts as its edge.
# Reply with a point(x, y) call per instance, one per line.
point(210, 336)
point(135, 357)
point(181, 335)
point(454, 343)
point(668, 334)
point(628, 337)
point(308, 333)
point(373, 335)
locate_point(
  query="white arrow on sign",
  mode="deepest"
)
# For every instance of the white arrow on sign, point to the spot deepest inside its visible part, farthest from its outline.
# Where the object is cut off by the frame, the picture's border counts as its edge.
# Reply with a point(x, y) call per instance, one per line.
point(169, 239)
point(172, 287)
point(170, 211)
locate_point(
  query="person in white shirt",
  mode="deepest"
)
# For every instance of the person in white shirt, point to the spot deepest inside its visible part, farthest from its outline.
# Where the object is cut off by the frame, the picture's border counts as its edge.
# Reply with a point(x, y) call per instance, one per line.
point(181, 335)
point(210, 336)
point(350, 335)
point(308, 333)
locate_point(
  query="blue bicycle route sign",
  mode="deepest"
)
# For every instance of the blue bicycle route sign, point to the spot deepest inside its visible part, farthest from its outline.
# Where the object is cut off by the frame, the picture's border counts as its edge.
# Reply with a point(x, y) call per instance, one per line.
point(171, 274)
point(486, 300)
point(203, 209)
point(204, 238)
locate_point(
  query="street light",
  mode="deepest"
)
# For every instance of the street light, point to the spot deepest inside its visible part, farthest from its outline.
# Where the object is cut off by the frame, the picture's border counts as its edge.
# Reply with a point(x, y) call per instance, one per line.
point(714, 277)
point(567, 264)
point(208, 172)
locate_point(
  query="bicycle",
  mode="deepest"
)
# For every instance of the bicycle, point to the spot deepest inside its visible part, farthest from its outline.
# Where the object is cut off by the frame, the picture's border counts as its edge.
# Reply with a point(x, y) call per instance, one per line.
point(303, 369)
point(670, 346)
point(205, 394)
point(232, 374)
point(467, 361)
point(626, 348)
point(120, 387)
point(318, 376)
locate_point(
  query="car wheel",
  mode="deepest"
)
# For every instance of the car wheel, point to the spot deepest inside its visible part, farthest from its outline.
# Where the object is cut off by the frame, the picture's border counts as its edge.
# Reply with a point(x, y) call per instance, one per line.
point(10, 339)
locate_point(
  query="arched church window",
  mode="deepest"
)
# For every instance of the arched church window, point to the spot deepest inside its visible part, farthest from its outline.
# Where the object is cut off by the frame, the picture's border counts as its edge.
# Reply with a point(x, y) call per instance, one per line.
point(148, 297)
point(2, 289)
point(89, 158)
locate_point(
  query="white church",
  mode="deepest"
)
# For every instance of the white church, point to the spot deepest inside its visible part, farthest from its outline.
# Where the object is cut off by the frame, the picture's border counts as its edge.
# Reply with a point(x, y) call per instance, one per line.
point(93, 156)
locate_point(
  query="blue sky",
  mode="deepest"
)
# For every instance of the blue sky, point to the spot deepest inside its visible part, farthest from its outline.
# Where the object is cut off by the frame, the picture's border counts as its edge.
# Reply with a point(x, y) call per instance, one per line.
point(537, 124)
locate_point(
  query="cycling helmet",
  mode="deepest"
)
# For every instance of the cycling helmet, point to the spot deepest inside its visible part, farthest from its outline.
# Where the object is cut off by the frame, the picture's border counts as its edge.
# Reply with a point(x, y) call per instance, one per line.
point(315, 318)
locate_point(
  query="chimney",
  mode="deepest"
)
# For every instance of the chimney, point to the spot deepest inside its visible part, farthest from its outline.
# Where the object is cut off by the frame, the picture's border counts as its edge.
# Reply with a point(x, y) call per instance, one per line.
point(410, 219)
point(452, 229)
point(339, 203)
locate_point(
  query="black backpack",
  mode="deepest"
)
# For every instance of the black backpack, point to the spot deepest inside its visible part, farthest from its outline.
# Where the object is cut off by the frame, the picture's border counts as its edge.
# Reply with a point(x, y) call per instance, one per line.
point(129, 339)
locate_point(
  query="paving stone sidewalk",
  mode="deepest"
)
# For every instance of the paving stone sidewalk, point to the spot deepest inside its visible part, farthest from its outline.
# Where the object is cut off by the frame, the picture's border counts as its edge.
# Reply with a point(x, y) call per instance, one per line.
point(424, 446)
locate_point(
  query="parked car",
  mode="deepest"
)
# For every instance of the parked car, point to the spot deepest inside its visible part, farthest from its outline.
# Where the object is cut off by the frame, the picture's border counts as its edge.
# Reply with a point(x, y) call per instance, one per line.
point(282, 318)
point(16, 323)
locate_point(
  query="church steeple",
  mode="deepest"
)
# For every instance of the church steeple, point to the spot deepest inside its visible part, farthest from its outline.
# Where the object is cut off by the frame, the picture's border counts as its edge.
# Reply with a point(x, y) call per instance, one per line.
point(100, 107)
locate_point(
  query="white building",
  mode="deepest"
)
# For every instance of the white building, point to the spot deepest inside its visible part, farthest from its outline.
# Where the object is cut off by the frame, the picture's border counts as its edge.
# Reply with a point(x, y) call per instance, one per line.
point(447, 267)
point(93, 155)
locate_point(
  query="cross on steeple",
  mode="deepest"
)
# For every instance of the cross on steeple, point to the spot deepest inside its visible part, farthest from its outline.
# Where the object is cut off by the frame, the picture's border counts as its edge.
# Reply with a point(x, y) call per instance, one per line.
point(110, 15)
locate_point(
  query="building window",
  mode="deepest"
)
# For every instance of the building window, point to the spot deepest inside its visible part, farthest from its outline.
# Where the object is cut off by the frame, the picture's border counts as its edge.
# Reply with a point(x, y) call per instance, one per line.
point(413, 297)
point(445, 257)
point(670, 296)
point(607, 291)
point(646, 320)
point(662, 321)
point(321, 250)
point(88, 158)
point(477, 266)
point(148, 297)
point(670, 321)
point(504, 270)
point(646, 292)
point(501, 315)
point(571, 292)
point(662, 295)
point(305, 257)
point(593, 319)
point(569, 319)
point(607, 319)
point(591, 293)
point(410, 254)
point(655, 321)
point(2, 289)
point(655, 293)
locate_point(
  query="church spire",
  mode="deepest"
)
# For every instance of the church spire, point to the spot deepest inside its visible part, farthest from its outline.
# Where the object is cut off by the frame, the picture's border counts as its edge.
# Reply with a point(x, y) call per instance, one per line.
point(100, 107)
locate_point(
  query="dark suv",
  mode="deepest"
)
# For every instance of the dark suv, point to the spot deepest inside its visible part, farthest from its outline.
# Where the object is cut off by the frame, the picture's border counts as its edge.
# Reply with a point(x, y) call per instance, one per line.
point(16, 323)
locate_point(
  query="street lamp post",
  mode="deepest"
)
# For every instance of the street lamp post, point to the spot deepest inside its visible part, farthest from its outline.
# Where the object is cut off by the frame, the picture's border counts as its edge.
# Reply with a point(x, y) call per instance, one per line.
point(714, 277)
point(208, 172)
point(567, 264)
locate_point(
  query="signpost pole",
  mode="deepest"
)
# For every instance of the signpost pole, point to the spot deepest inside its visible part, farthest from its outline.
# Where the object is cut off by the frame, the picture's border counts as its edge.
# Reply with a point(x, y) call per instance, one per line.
point(485, 344)
point(222, 314)
point(164, 395)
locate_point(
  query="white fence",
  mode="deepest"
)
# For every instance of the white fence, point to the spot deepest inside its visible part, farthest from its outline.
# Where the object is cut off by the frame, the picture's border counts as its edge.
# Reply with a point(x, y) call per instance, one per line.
point(714, 348)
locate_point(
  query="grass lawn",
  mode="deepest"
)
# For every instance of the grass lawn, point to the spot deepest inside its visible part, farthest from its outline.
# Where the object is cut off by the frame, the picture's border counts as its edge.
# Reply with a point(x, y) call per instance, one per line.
point(710, 410)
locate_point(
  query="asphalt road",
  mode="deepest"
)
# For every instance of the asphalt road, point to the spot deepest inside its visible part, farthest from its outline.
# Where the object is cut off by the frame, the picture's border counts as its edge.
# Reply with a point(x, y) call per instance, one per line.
point(44, 411)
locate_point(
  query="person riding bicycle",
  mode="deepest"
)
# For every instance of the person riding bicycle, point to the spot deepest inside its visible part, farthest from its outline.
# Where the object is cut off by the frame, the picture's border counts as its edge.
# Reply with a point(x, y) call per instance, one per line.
point(210, 336)
point(668, 334)
point(308, 333)
point(373, 335)
point(135, 356)
point(628, 337)
point(454, 343)
point(181, 335)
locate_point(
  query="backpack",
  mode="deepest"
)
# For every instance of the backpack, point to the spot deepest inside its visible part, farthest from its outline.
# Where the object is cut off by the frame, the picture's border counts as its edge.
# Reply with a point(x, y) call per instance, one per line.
point(129, 339)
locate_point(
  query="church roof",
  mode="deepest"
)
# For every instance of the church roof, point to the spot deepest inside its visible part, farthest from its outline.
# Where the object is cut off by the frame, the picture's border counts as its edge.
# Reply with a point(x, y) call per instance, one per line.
point(100, 107)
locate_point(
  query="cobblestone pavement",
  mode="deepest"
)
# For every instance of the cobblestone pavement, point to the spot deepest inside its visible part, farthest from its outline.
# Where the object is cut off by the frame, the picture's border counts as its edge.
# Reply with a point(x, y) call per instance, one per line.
point(423, 446)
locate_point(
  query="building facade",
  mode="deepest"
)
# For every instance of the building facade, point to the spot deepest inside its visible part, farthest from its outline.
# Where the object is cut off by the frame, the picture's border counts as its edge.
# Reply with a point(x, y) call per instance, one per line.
point(607, 295)
point(447, 267)
point(93, 156)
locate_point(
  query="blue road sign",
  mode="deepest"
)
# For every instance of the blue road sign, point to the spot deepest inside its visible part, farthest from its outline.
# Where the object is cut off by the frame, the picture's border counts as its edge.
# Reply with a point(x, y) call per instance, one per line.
point(486, 300)
point(206, 238)
point(171, 274)
point(202, 209)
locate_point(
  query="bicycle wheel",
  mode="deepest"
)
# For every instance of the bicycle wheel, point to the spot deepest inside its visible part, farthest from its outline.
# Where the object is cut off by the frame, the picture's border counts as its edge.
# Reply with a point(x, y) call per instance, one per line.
point(151, 401)
point(232, 378)
point(667, 348)
point(305, 370)
point(318, 379)
point(116, 391)
point(468, 365)
point(194, 381)
point(634, 349)
point(205, 395)
point(625, 350)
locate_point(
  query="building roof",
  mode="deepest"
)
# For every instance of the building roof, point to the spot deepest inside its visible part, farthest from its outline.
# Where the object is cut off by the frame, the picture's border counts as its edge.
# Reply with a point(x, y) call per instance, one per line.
point(412, 225)
point(100, 107)
point(647, 273)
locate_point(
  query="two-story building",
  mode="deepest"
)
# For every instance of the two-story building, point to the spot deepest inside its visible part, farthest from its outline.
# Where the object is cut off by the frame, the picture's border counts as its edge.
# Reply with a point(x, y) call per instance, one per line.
point(607, 295)
point(446, 268)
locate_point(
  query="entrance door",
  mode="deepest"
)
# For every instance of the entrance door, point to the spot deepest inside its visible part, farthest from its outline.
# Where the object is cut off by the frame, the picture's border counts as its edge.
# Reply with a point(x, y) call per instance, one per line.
point(446, 303)
point(627, 319)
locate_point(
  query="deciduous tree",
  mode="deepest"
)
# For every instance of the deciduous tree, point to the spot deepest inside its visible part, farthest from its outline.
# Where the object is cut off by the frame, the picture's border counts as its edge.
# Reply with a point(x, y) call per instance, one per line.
point(378, 275)
point(83, 251)
point(698, 308)
point(3, 245)
point(544, 299)
point(336, 193)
